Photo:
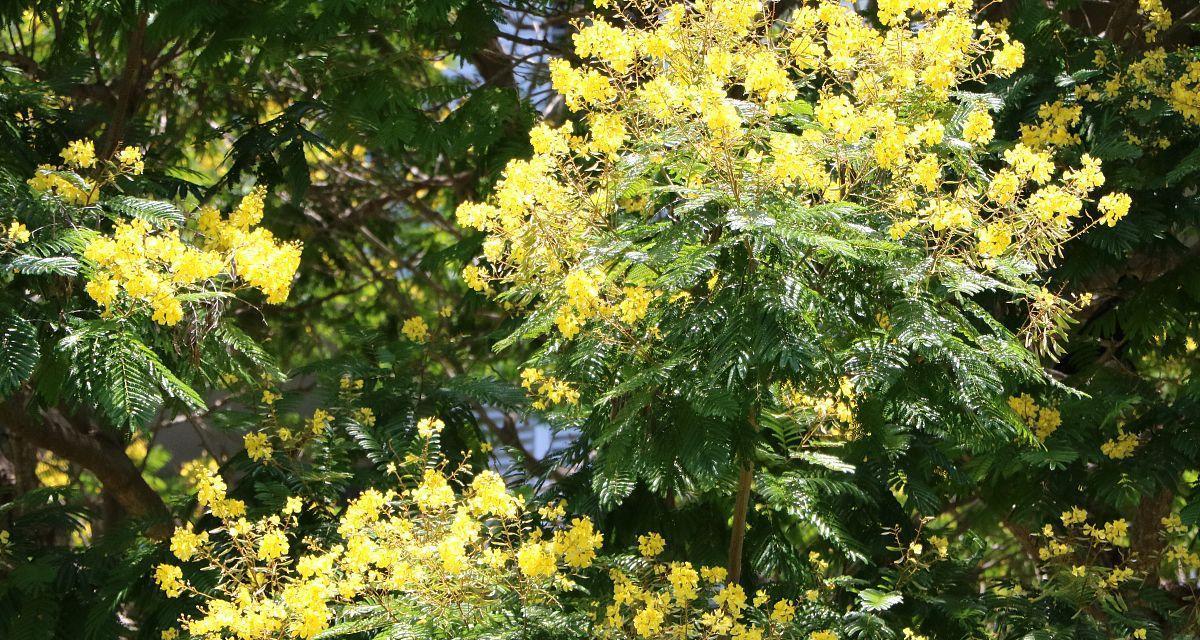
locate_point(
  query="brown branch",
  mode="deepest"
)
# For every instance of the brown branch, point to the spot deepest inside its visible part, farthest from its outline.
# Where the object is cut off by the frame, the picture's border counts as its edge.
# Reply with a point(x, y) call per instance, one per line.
point(494, 65)
point(96, 452)
point(128, 87)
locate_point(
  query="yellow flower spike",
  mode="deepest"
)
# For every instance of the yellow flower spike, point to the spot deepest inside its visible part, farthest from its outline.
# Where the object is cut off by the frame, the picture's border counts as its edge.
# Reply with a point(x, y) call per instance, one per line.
point(536, 559)
point(1113, 207)
point(130, 159)
point(1008, 59)
point(429, 427)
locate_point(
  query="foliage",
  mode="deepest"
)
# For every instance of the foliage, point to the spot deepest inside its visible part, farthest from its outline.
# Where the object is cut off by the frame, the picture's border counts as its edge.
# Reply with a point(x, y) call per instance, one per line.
point(717, 319)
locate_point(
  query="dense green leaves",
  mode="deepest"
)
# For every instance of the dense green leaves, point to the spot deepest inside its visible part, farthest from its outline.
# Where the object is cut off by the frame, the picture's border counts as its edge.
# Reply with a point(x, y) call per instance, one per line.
point(19, 352)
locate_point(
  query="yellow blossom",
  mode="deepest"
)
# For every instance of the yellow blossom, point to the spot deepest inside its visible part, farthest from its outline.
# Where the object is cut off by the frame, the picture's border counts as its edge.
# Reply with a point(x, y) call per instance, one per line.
point(416, 329)
point(651, 544)
point(80, 153)
point(978, 128)
point(257, 445)
point(17, 232)
point(430, 427)
point(170, 579)
point(273, 545)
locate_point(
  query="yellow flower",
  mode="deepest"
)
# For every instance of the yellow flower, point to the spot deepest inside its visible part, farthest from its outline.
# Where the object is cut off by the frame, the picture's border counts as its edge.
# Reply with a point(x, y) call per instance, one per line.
point(579, 543)
point(18, 233)
point(783, 612)
point(684, 582)
point(651, 545)
point(1120, 447)
point(941, 544)
point(649, 621)
point(185, 543)
point(489, 496)
point(714, 575)
point(608, 133)
point(1008, 59)
point(249, 211)
point(635, 304)
point(102, 289)
point(130, 158)
point(257, 445)
point(170, 579)
point(927, 171)
point(80, 153)
point(474, 277)
point(273, 544)
point(978, 127)
point(429, 427)
point(994, 239)
point(1113, 207)
point(416, 329)
point(1075, 515)
point(1048, 421)
point(293, 505)
point(319, 421)
point(536, 559)
point(434, 492)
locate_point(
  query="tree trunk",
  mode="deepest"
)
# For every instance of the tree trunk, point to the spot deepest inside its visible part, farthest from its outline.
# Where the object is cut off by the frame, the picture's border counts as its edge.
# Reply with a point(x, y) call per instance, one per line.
point(741, 507)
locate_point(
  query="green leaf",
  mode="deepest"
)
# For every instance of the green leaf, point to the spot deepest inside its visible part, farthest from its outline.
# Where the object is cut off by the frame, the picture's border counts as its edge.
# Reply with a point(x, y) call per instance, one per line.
point(128, 396)
point(38, 266)
point(833, 463)
point(1186, 167)
point(876, 600)
point(1190, 515)
point(237, 341)
point(167, 381)
point(19, 352)
point(158, 213)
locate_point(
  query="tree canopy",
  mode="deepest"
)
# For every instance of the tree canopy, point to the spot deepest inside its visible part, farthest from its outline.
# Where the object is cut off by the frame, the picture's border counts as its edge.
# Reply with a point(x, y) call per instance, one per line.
point(614, 319)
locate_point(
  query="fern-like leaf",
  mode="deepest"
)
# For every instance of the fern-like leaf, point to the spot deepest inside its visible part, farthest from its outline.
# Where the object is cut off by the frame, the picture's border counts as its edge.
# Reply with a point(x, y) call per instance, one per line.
point(19, 352)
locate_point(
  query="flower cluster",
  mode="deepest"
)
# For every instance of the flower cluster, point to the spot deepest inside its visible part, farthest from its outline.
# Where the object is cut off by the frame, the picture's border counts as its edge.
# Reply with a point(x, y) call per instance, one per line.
point(291, 437)
point(65, 183)
point(16, 233)
point(1120, 447)
point(1156, 76)
point(676, 600)
point(257, 257)
point(1079, 553)
point(886, 133)
point(139, 266)
point(832, 414)
point(1042, 420)
point(447, 544)
point(1179, 537)
point(548, 389)
point(416, 329)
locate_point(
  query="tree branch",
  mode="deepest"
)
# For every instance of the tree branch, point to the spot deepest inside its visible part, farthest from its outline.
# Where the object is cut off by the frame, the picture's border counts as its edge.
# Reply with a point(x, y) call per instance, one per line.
point(97, 453)
point(129, 85)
